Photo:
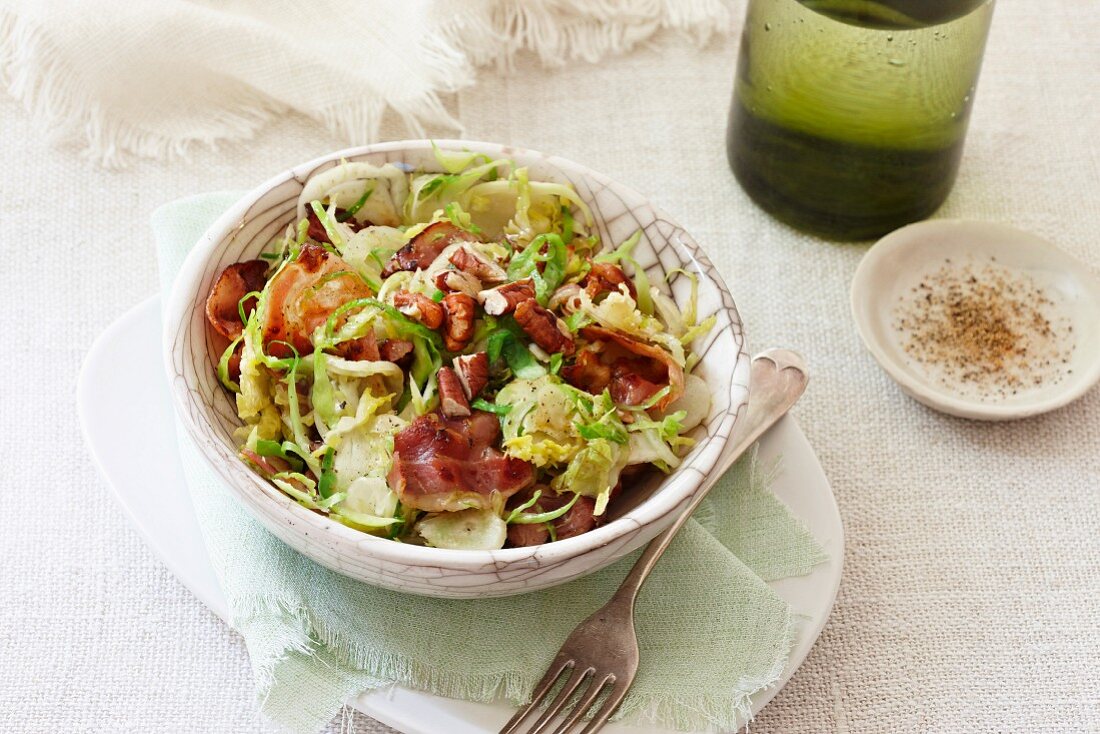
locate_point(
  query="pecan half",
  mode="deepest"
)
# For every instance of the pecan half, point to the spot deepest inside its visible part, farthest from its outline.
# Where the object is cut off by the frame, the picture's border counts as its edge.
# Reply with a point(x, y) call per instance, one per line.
point(459, 281)
point(473, 372)
point(419, 307)
point(504, 298)
point(452, 400)
point(544, 328)
point(460, 312)
point(606, 278)
point(476, 264)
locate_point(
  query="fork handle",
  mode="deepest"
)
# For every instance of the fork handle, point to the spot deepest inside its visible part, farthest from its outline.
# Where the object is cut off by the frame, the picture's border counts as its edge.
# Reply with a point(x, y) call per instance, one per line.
point(778, 380)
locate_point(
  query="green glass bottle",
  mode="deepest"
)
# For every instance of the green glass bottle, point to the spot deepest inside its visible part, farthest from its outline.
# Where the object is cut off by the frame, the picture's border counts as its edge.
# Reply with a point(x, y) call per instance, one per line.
point(849, 116)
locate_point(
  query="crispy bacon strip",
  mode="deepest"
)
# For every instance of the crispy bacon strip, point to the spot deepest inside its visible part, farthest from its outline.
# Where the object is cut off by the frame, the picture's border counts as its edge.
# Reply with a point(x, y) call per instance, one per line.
point(606, 278)
point(419, 252)
point(303, 295)
point(630, 388)
point(587, 372)
point(232, 285)
point(365, 348)
point(317, 230)
point(398, 351)
point(673, 373)
point(448, 464)
point(578, 520)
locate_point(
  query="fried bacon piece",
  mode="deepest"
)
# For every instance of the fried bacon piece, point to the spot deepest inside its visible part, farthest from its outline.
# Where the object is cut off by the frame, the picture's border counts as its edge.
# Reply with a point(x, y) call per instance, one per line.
point(232, 285)
point(365, 348)
point(587, 373)
point(606, 278)
point(578, 520)
point(630, 388)
point(302, 297)
point(544, 328)
point(317, 230)
point(419, 252)
point(653, 358)
point(447, 464)
point(398, 351)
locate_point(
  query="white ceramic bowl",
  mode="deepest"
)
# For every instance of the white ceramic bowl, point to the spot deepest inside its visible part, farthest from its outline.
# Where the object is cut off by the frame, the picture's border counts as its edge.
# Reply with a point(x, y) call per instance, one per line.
point(207, 411)
point(901, 259)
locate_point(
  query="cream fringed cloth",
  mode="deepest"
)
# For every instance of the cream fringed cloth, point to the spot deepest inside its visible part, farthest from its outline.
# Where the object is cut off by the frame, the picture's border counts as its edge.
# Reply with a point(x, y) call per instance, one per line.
point(153, 77)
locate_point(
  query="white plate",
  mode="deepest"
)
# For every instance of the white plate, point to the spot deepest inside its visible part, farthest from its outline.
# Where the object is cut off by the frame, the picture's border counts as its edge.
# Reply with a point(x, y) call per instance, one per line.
point(125, 403)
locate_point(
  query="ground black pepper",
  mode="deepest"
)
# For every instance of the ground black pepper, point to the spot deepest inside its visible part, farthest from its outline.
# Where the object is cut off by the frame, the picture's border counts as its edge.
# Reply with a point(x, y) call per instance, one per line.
point(985, 329)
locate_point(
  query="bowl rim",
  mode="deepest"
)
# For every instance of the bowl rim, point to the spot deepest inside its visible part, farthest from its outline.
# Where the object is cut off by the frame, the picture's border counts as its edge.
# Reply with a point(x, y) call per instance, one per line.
point(685, 480)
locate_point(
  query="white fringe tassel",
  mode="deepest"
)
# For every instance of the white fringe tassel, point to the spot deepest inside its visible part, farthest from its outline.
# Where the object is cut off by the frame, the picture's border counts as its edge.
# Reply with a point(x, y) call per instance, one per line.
point(477, 34)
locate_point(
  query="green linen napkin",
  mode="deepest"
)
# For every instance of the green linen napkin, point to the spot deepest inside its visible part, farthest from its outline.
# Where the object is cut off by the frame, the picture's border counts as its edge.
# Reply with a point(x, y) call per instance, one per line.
point(711, 631)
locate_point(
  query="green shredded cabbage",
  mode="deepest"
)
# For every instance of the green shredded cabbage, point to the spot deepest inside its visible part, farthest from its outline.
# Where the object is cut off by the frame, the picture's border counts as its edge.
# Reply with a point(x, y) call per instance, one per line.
point(223, 366)
point(525, 506)
point(566, 224)
point(352, 210)
point(524, 518)
point(504, 343)
point(328, 479)
point(265, 447)
point(594, 471)
point(328, 221)
point(453, 161)
point(322, 396)
point(485, 405)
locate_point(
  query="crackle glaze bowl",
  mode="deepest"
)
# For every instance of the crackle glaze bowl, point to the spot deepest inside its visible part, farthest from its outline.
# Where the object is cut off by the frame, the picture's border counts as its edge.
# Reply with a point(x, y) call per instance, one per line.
point(644, 509)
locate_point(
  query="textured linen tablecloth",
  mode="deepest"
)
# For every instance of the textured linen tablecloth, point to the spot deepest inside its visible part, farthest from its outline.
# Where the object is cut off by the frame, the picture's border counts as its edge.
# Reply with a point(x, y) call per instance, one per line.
point(971, 597)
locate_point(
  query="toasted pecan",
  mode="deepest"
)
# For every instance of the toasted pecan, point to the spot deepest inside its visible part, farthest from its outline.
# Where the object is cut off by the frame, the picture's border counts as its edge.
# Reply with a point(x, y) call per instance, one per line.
point(473, 372)
point(452, 398)
point(450, 281)
point(460, 310)
point(419, 307)
point(544, 328)
point(470, 261)
point(504, 298)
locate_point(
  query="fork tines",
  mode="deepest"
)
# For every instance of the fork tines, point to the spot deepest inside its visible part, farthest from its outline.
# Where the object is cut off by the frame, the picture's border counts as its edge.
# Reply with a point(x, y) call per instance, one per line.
point(574, 684)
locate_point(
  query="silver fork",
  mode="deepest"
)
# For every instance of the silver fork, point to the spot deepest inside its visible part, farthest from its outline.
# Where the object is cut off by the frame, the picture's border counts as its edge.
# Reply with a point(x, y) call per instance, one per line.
point(600, 657)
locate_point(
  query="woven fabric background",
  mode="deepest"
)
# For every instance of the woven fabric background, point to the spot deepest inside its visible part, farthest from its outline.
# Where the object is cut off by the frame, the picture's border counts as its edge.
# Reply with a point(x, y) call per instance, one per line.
point(971, 597)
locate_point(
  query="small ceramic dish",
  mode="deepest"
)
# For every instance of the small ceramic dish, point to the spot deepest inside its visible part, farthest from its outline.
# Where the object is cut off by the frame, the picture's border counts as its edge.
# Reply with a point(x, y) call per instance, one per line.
point(208, 415)
point(904, 259)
